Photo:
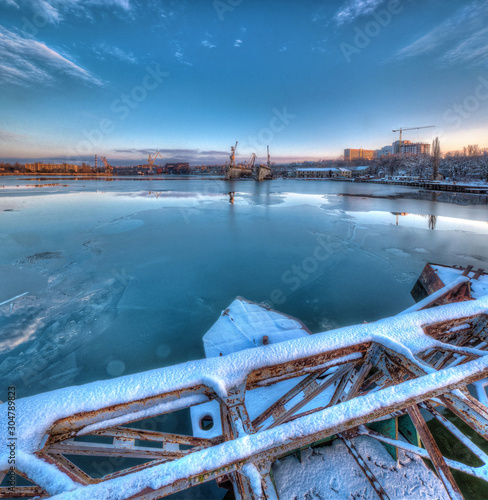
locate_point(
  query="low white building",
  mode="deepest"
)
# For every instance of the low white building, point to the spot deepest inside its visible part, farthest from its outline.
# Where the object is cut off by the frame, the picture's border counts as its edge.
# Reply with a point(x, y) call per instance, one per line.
point(322, 173)
point(359, 171)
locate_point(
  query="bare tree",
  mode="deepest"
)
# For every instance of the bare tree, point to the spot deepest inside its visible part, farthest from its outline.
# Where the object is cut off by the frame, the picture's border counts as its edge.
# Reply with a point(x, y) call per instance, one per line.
point(472, 150)
point(436, 157)
point(418, 165)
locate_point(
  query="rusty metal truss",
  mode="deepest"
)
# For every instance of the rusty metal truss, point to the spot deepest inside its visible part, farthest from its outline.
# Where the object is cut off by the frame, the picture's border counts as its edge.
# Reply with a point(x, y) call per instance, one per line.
point(376, 389)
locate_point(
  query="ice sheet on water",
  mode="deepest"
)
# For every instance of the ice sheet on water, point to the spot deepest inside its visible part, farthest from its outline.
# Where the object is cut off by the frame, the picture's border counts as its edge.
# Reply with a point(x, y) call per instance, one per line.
point(44, 329)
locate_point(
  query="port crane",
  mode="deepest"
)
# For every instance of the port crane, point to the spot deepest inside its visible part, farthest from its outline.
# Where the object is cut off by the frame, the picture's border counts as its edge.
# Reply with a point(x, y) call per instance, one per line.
point(404, 129)
point(251, 161)
point(232, 157)
point(152, 159)
point(108, 167)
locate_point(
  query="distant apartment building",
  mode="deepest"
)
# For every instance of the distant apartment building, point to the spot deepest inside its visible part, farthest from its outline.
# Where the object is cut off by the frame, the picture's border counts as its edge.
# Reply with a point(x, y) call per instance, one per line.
point(354, 154)
point(62, 168)
point(386, 151)
point(411, 148)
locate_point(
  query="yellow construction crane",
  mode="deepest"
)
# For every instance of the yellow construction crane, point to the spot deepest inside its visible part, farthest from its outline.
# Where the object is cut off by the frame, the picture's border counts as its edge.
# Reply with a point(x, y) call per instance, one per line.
point(108, 167)
point(403, 130)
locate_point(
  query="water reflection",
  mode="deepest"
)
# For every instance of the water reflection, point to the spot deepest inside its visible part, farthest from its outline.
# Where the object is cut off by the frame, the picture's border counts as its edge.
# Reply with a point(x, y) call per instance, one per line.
point(397, 214)
point(432, 222)
point(432, 219)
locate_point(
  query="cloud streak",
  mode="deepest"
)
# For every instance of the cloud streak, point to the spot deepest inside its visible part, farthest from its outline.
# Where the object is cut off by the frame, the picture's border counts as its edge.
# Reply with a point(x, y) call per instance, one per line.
point(27, 62)
point(460, 39)
point(7, 136)
point(55, 11)
point(102, 50)
point(208, 44)
point(353, 9)
point(172, 152)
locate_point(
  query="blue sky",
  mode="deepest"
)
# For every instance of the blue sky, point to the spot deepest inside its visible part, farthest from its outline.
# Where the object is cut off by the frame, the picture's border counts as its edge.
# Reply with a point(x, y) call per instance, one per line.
point(123, 78)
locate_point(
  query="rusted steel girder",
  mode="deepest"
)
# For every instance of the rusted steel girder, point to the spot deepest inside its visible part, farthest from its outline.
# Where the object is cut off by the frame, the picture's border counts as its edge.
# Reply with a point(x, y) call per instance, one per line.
point(434, 453)
point(347, 367)
point(328, 429)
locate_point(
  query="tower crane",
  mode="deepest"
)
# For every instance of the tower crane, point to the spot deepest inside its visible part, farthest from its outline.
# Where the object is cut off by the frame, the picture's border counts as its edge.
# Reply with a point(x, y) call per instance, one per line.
point(403, 130)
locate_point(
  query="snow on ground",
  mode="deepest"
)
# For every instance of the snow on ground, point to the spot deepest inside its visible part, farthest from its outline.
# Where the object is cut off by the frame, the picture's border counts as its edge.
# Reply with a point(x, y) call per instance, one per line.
point(330, 472)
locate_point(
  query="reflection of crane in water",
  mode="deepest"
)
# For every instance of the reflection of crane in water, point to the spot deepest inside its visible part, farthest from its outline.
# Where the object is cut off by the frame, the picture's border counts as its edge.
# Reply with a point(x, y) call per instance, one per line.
point(397, 214)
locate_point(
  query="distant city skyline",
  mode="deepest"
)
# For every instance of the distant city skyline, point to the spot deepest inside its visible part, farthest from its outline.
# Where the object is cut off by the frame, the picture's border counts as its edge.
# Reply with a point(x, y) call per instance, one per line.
point(124, 78)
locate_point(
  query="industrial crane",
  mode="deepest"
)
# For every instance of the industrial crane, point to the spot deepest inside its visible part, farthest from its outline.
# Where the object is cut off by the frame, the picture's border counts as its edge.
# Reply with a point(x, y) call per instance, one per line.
point(152, 158)
point(403, 129)
point(250, 162)
point(108, 167)
point(233, 150)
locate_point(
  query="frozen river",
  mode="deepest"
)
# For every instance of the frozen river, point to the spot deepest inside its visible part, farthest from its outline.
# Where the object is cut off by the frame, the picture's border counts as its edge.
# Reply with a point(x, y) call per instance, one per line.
point(127, 275)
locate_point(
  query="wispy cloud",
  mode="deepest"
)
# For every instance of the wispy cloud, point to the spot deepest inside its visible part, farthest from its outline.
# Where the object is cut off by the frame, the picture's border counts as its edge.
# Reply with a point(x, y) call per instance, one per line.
point(353, 9)
point(179, 54)
point(102, 50)
point(10, 3)
point(170, 151)
point(6, 136)
point(188, 155)
point(208, 44)
point(320, 46)
point(462, 38)
point(27, 62)
point(55, 11)
point(237, 43)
